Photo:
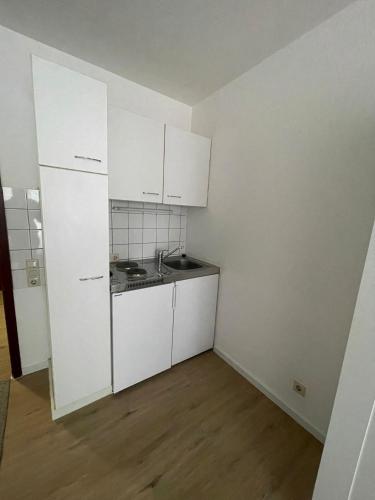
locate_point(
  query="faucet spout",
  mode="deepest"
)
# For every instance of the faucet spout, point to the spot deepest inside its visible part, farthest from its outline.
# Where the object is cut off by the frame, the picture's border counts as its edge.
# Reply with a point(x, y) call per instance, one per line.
point(163, 254)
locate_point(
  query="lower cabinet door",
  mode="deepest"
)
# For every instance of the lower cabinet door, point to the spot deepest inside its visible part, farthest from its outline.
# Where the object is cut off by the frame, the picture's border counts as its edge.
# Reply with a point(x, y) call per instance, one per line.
point(142, 322)
point(194, 317)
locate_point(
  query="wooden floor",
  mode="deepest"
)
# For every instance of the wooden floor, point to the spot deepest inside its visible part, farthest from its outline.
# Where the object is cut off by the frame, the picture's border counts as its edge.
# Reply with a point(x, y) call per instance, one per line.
point(198, 431)
point(4, 351)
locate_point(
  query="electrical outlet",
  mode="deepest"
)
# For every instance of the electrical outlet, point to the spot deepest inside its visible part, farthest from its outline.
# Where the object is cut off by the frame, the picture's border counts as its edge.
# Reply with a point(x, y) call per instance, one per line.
point(33, 272)
point(115, 257)
point(299, 388)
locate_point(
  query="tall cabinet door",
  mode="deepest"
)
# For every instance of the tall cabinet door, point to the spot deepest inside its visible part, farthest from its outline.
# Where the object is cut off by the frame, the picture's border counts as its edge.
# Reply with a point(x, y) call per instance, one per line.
point(186, 168)
point(75, 219)
point(71, 118)
point(142, 323)
point(135, 156)
point(194, 317)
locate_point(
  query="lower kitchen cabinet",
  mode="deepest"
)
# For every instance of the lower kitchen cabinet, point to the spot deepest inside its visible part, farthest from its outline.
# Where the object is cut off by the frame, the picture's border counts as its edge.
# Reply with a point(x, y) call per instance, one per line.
point(142, 322)
point(194, 316)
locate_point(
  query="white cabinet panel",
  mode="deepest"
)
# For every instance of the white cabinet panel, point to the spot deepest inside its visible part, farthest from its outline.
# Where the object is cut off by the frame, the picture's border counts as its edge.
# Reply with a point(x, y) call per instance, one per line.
point(135, 156)
point(75, 221)
point(186, 168)
point(194, 317)
point(71, 118)
point(142, 334)
point(363, 486)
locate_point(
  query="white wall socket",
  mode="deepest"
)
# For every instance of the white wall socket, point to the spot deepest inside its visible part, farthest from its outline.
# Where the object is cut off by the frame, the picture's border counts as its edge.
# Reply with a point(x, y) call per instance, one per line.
point(115, 257)
point(299, 388)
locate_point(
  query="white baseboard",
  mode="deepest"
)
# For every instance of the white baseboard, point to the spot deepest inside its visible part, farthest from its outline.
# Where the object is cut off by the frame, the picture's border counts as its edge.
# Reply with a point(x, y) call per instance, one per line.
point(26, 370)
point(64, 410)
point(270, 395)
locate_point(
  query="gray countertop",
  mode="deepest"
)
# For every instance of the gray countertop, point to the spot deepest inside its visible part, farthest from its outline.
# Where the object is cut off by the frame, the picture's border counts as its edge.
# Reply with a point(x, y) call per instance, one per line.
point(120, 282)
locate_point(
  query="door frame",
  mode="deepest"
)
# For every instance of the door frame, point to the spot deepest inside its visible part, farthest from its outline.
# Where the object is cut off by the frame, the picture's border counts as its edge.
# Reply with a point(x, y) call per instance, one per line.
point(6, 285)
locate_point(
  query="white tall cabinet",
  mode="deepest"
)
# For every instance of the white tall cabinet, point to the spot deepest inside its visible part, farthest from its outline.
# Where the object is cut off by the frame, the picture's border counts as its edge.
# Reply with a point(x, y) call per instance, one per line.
point(186, 168)
point(75, 221)
point(71, 122)
point(135, 156)
point(71, 118)
point(194, 316)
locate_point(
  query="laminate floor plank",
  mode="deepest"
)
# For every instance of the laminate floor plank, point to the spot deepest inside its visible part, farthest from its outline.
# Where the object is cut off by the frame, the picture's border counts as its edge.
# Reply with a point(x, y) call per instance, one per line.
point(197, 431)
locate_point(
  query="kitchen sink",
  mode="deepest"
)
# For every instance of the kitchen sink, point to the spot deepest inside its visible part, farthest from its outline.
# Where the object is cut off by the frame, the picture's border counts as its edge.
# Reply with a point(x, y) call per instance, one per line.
point(182, 264)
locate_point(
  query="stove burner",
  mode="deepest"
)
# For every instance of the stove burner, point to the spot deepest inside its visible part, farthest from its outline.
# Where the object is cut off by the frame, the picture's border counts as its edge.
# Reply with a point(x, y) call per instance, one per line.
point(136, 273)
point(125, 265)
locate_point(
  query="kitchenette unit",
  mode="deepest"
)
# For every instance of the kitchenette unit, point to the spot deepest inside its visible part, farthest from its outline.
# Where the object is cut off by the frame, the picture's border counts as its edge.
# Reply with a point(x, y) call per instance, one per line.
point(163, 303)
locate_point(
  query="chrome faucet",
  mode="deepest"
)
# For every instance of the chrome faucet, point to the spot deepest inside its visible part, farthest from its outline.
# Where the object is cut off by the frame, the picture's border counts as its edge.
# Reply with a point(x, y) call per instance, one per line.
point(163, 254)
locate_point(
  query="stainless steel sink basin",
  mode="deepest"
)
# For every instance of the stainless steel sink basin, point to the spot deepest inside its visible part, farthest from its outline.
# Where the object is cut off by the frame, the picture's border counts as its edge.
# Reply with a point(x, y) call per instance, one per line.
point(182, 264)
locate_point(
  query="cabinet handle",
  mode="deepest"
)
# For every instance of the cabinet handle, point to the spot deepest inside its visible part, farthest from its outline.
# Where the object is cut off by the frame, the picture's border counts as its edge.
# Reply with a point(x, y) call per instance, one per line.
point(174, 296)
point(148, 192)
point(173, 196)
point(91, 278)
point(87, 158)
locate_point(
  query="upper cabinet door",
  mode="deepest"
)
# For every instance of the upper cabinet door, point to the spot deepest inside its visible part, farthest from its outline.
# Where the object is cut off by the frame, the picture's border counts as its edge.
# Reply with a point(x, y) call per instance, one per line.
point(71, 118)
point(186, 168)
point(135, 156)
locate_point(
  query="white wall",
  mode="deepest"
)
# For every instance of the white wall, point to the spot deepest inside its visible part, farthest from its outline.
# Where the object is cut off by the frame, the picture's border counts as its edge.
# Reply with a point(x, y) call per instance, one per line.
point(18, 154)
point(18, 151)
point(291, 204)
point(353, 406)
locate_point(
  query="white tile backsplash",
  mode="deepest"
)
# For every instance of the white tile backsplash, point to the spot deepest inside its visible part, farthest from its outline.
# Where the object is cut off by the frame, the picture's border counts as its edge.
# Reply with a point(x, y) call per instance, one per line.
point(16, 218)
point(14, 197)
point(120, 236)
point(38, 253)
point(149, 250)
point(162, 221)
point(120, 220)
point(149, 226)
point(135, 220)
point(35, 219)
point(135, 235)
point(121, 250)
point(36, 238)
point(175, 221)
point(149, 235)
point(135, 251)
point(149, 221)
point(174, 234)
point(162, 235)
point(19, 239)
point(33, 199)
point(25, 234)
point(136, 204)
point(18, 258)
point(19, 278)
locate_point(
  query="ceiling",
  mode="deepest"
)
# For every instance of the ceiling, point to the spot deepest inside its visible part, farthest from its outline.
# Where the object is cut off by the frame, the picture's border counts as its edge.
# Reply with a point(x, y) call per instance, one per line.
point(185, 49)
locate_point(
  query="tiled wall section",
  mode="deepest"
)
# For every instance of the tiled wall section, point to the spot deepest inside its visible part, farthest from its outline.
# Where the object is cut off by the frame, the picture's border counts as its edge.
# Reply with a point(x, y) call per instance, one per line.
point(140, 228)
point(136, 231)
point(25, 232)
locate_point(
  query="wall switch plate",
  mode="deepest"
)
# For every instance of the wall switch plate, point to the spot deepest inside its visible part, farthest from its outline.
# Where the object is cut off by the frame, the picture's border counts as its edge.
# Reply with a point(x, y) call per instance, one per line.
point(299, 388)
point(32, 263)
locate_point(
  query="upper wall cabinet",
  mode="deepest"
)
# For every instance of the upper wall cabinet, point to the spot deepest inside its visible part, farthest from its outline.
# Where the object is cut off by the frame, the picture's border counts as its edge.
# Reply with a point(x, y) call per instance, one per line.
point(135, 156)
point(186, 168)
point(71, 118)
